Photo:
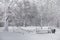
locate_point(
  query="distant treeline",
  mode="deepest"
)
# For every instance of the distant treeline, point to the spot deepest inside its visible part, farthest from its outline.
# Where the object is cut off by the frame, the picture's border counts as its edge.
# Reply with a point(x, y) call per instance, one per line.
point(27, 13)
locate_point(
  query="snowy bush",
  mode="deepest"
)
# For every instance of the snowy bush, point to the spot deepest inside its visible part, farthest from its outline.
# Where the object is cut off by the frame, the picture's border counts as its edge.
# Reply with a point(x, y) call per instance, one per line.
point(12, 29)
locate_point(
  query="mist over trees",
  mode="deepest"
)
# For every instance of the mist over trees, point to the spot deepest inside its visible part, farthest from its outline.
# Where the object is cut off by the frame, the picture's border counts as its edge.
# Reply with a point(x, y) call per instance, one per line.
point(30, 12)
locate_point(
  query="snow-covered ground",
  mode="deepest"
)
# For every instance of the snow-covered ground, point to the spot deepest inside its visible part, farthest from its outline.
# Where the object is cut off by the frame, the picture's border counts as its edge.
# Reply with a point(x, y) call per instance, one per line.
point(29, 36)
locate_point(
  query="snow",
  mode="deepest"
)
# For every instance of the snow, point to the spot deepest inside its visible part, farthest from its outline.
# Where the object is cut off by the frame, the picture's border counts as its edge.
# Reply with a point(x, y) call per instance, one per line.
point(29, 36)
